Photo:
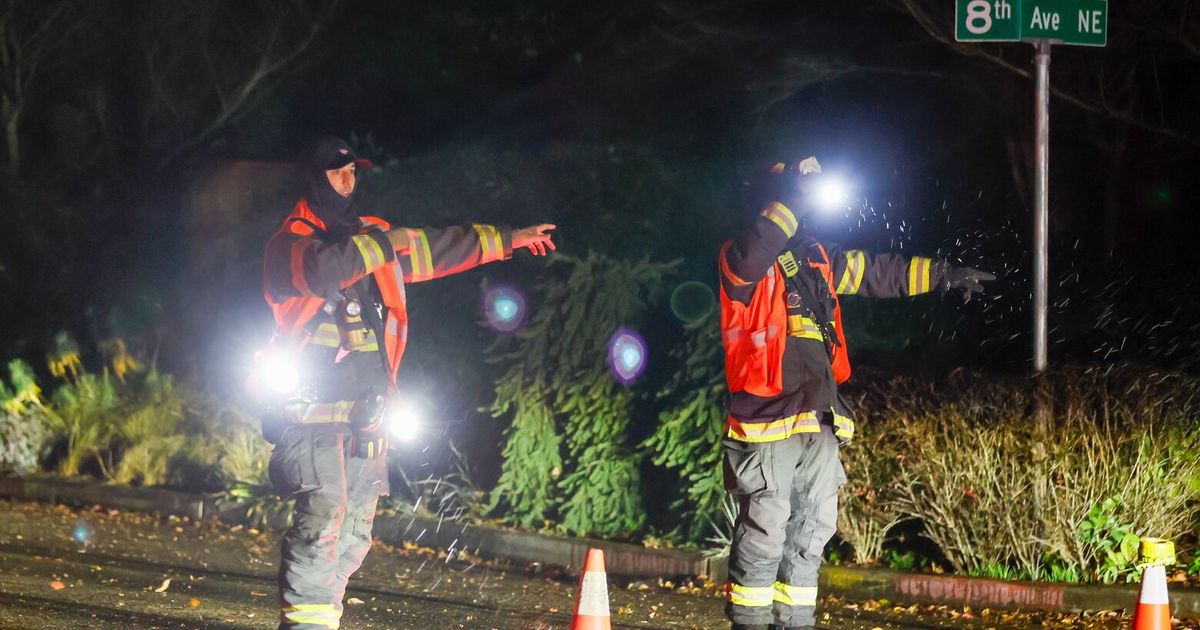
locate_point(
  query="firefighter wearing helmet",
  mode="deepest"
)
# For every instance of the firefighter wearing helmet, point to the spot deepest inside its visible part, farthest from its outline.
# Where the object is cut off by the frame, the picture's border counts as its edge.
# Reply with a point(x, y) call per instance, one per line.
point(785, 355)
point(335, 283)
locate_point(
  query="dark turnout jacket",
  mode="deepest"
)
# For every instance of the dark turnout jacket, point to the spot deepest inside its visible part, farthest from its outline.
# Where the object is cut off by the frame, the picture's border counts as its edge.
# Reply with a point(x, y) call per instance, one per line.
point(809, 396)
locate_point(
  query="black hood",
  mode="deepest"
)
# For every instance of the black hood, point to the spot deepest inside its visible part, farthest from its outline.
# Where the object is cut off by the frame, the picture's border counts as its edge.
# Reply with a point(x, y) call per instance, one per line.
point(336, 211)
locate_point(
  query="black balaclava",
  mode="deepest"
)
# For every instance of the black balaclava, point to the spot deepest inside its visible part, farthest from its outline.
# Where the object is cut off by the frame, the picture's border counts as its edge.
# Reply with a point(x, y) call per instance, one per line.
point(332, 208)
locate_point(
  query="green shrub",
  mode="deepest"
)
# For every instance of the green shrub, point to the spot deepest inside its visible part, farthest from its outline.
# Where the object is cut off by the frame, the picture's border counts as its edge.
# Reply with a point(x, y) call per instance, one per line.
point(559, 385)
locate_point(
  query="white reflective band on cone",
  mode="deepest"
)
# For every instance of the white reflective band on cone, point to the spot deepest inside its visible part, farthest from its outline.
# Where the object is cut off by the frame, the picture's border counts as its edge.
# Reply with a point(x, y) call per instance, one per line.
point(593, 596)
point(1154, 586)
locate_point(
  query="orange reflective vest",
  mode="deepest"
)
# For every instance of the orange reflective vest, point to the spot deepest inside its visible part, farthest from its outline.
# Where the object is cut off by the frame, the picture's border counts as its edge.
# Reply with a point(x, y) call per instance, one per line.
point(294, 313)
point(755, 334)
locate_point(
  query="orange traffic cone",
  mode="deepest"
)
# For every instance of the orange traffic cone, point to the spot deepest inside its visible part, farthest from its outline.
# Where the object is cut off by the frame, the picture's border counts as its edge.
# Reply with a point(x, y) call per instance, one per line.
point(591, 609)
point(1153, 610)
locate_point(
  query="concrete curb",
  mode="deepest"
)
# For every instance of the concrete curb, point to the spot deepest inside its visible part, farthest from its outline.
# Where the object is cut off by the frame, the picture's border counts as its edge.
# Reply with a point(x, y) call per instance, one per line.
point(632, 560)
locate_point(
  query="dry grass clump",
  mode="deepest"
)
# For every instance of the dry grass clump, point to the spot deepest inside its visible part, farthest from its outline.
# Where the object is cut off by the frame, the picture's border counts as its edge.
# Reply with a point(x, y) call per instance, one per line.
point(1012, 477)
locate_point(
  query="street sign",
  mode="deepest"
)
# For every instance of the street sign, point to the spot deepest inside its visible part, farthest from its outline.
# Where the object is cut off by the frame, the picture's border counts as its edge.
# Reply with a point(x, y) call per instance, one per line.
point(1073, 22)
point(988, 21)
point(1076, 22)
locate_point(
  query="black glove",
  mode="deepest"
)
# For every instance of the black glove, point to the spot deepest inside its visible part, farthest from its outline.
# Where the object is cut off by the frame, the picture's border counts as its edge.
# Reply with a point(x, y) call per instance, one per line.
point(366, 428)
point(968, 279)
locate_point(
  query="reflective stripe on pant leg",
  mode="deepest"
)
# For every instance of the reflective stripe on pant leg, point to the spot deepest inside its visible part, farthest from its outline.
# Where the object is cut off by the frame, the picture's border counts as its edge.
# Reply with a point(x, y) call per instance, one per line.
point(795, 595)
point(363, 482)
point(752, 596)
point(758, 536)
point(813, 522)
point(308, 565)
point(318, 615)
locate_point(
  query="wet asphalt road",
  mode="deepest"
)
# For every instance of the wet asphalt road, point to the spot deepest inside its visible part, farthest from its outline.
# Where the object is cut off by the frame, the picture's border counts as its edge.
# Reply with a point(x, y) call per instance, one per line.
point(134, 571)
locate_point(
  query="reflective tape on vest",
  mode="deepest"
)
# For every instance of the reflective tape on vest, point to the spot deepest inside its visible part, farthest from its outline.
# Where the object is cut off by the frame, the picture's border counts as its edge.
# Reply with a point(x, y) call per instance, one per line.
point(843, 427)
point(319, 413)
point(789, 595)
point(806, 422)
point(327, 336)
point(753, 596)
point(804, 327)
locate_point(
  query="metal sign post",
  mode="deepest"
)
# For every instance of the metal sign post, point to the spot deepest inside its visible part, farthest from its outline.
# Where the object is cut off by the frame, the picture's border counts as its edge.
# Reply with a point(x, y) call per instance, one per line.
point(1041, 210)
point(1042, 23)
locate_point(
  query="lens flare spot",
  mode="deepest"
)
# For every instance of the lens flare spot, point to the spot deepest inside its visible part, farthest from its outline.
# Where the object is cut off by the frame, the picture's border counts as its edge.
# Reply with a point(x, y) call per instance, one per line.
point(627, 355)
point(82, 533)
point(692, 301)
point(504, 308)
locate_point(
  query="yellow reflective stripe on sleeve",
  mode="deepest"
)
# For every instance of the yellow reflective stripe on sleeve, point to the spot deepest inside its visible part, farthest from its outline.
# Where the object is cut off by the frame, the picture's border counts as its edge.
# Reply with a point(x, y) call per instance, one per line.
point(317, 614)
point(803, 327)
point(795, 595)
point(420, 256)
point(370, 251)
point(856, 265)
point(919, 269)
point(780, 215)
point(843, 427)
point(754, 596)
point(490, 242)
point(327, 336)
point(776, 430)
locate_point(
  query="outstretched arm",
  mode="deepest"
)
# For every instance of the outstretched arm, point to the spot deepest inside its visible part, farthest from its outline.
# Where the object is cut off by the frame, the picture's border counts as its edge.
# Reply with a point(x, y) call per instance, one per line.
point(429, 253)
point(298, 265)
point(858, 272)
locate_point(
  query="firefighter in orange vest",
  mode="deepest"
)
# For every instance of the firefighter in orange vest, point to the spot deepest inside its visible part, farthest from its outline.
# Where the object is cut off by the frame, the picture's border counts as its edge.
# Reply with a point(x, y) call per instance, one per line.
point(335, 283)
point(785, 355)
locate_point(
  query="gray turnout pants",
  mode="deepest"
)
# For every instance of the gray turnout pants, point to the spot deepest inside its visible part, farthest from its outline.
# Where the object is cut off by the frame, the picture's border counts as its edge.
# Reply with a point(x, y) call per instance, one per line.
point(787, 495)
point(336, 494)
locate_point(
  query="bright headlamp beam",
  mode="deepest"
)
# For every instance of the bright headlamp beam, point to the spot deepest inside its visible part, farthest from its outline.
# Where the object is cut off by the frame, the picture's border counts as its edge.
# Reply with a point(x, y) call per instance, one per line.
point(403, 421)
point(830, 192)
point(280, 376)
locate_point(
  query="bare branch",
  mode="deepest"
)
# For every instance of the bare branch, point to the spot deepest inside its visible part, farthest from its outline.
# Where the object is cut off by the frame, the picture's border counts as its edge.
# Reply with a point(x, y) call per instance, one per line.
point(931, 26)
point(269, 67)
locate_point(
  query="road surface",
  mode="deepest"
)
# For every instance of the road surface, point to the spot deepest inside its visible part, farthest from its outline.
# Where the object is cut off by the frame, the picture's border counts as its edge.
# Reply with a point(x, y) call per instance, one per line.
point(63, 567)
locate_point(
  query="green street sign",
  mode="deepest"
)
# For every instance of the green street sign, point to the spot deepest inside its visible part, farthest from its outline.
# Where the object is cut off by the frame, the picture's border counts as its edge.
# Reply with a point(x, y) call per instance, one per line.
point(988, 21)
point(1075, 22)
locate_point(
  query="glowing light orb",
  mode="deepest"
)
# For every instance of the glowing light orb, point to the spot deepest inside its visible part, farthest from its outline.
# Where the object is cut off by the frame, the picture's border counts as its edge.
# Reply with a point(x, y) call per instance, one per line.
point(504, 308)
point(626, 355)
point(82, 533)
point(692, 301)
point(403, 420)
